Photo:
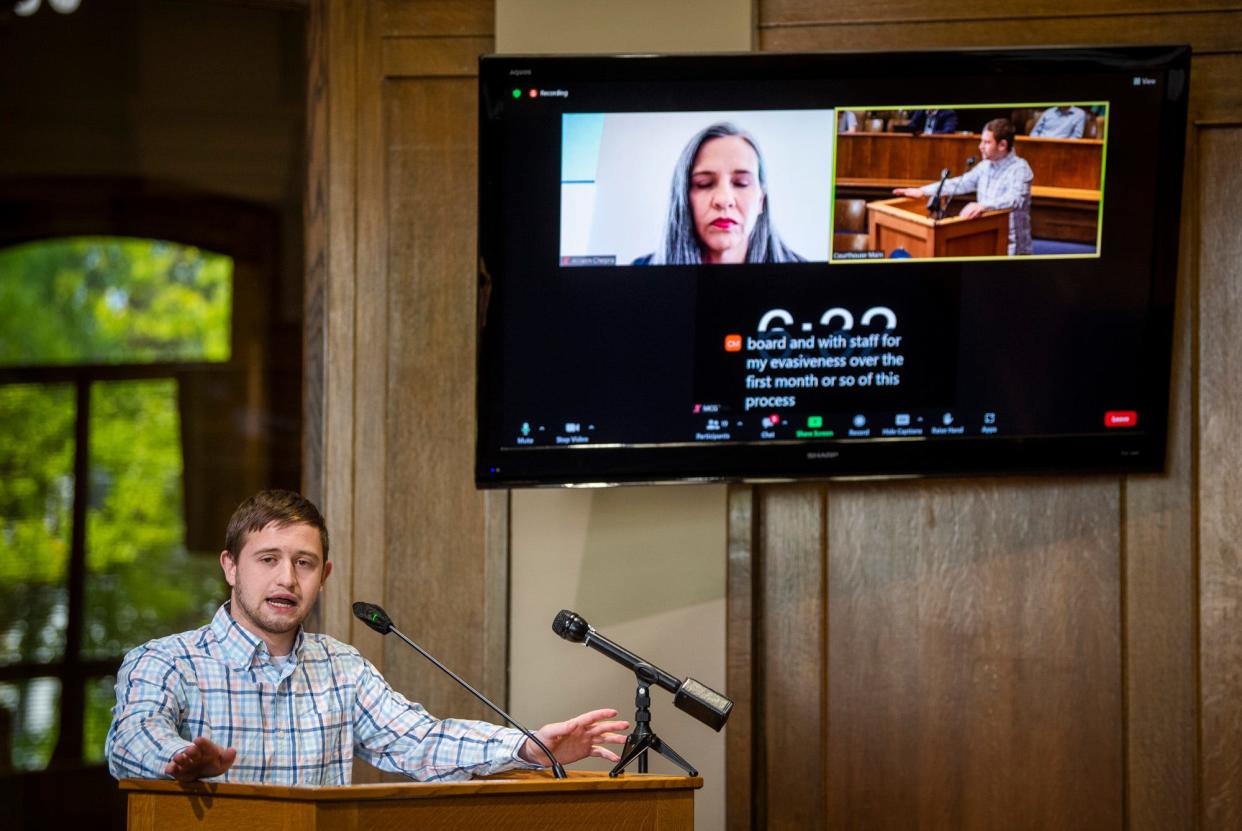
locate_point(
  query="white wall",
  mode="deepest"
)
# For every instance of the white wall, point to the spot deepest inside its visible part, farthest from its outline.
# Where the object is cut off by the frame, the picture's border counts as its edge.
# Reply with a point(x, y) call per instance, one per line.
point(644, 565)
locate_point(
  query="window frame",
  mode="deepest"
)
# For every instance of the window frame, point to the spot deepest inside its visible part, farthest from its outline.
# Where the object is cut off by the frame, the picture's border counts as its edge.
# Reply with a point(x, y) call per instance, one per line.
point(34, 210)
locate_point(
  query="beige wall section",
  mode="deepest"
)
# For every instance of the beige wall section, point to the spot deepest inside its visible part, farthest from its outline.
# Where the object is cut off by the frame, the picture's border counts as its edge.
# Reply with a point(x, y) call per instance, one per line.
point(597, 26)
point(645, 565)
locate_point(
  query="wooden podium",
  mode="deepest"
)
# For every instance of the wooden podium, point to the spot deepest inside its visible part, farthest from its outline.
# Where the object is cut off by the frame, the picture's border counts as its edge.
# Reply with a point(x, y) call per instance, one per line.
point(517, 800)
point(903, 223)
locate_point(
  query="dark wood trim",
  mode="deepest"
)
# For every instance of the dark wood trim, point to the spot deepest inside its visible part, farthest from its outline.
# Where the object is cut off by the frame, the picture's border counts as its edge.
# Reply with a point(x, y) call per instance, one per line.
point(73, 685)
point(105, 372)
point(88, 668)
point(369, 371)
point(315, 217)
point(744, 752)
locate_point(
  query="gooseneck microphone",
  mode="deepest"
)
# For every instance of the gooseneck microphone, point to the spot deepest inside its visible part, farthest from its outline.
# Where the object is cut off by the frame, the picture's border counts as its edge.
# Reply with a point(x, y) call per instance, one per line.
point(378, 619)
point(689, 696)
point(933, 204)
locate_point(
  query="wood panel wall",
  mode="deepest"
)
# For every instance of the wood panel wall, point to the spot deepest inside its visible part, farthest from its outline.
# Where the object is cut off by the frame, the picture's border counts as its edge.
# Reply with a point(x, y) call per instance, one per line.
point(984, 653)
point(1062, 163)
point(1012, 653)
point(391, 222)
point(1219, 485)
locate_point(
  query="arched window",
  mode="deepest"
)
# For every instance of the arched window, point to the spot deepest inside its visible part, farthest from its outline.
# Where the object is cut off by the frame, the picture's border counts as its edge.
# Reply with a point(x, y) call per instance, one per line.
point(150, 379)
point(96, 334)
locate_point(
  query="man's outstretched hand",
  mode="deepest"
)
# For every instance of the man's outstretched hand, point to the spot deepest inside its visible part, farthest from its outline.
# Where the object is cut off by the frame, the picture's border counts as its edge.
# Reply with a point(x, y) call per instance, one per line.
point(201, 760)
point(578, 738)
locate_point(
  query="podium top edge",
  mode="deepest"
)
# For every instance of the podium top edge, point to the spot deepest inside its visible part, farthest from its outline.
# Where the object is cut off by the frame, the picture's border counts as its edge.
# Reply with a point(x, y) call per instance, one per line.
point(511, 782)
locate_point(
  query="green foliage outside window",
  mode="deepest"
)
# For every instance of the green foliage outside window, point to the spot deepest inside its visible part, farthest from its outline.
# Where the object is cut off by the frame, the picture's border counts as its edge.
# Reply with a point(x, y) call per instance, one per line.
point(112, 302)
point(36, 507)
point(141, 582)
point(86, 300)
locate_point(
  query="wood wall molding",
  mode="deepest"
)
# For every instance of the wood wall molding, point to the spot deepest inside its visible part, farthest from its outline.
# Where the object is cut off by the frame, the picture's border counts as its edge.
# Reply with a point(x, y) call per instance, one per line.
point(745, 806)
point(437, 18)
point(1017, 653)
point(1219, 482)
point(1214, 32)
point(328, 460)
point(1158, 587)
point(794, 13)
point(429, 57)
point(391, 242)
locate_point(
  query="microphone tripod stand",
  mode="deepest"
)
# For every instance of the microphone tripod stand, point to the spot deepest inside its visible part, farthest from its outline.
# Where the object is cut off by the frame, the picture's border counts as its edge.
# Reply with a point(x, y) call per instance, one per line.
point(643, 738)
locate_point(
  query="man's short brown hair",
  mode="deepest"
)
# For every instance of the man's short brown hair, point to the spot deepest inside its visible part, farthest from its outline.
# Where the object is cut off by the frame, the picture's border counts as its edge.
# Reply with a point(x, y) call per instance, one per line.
point(264, 508)
point(1002, 129)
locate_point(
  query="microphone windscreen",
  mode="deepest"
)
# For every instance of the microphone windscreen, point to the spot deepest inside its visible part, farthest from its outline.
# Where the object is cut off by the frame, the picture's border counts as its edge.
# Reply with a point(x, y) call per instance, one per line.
point(704, 703)
point(570, 626)
point(373, 616)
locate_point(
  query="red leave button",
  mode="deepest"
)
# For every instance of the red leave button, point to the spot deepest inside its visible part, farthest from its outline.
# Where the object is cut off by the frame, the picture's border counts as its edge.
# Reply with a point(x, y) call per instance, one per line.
point(1121, 418)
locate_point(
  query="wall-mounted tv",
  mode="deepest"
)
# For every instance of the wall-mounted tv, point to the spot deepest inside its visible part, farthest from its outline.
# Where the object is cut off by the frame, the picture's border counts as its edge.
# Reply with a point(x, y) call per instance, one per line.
point(771, 266)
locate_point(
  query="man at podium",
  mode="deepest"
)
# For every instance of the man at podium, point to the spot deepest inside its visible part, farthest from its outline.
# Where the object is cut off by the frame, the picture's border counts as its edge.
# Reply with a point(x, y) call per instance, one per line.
point(1002, 180)
point(253, 697)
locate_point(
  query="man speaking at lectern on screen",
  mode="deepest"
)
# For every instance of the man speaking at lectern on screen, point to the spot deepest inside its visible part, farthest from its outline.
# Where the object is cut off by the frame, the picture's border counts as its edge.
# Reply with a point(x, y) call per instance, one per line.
point(1002, 180)
point(252, 697)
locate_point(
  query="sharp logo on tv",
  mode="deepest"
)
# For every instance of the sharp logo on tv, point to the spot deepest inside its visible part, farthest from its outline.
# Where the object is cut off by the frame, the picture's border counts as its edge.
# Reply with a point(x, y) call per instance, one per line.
point(736, 266)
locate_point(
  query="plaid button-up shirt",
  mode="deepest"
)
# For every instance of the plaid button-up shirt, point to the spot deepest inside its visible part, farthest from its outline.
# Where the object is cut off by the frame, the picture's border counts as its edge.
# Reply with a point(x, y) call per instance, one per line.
point(999, 185)
point(296, 724)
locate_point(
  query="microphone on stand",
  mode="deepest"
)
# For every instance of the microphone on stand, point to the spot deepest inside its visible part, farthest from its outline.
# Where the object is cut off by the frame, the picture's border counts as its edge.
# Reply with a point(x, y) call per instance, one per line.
point(378, 619)
point(933, 204)
point(689, 696)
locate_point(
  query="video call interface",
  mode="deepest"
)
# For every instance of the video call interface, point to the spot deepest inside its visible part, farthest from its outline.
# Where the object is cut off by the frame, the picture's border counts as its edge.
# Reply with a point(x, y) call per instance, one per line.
point(621, 172)
point(881, 259)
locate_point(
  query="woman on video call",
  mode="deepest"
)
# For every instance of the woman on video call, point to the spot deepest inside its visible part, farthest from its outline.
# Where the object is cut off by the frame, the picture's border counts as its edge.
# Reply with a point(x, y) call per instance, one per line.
point(718, 209)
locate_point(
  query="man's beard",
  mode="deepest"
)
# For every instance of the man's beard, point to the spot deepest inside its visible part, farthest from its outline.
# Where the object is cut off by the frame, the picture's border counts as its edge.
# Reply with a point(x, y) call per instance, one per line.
point(273, 626)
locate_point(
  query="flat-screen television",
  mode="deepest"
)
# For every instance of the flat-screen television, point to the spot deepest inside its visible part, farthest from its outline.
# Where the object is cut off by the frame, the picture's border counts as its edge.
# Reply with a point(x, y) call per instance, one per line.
point(780, 266)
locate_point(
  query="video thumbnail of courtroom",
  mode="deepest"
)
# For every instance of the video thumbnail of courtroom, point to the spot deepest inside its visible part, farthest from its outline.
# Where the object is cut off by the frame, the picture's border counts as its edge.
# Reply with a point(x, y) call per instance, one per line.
point(990, 181)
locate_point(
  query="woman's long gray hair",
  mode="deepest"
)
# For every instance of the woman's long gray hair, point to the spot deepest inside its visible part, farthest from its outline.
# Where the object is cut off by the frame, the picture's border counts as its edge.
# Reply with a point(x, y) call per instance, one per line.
point(680, 245)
